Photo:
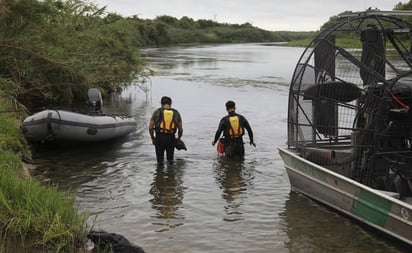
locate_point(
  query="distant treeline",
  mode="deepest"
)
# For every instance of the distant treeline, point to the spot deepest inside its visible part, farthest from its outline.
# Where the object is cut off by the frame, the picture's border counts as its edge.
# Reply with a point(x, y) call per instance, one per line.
point(167, 30)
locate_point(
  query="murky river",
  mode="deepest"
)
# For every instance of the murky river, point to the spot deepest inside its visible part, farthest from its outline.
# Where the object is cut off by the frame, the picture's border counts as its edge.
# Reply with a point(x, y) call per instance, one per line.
point(202, 202)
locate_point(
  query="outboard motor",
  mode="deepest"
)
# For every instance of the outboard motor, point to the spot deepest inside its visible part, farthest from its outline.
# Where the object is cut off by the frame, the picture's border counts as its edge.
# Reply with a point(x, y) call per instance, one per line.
point(94, 99)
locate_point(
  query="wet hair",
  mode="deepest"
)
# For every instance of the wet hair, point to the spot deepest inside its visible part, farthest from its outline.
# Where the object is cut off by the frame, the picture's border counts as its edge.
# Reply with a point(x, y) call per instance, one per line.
point(230, 105)
point(166, 100)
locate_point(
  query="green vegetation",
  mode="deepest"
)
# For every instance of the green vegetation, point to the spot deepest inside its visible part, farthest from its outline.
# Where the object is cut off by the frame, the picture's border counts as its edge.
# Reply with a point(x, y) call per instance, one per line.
point(32, 216)
point(344, 39)
point(38, 217)
point(51, 52)
point(342, 42)
point(166, 30)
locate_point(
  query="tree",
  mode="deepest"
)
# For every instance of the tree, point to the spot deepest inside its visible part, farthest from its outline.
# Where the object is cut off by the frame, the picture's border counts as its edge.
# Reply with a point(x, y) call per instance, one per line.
point(53, 51)
point(404, 6)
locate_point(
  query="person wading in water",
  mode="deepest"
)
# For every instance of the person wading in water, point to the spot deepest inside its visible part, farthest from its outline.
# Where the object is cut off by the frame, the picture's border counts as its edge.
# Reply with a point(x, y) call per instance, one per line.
point(165, 122)
point(233, 127)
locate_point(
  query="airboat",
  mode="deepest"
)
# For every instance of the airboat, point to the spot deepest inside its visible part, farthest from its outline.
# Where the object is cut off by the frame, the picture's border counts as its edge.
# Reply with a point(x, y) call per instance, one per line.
point(349, 142)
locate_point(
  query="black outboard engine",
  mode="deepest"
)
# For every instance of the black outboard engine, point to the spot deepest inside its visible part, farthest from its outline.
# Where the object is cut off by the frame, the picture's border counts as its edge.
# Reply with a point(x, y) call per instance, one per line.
point(94, 100)
point(388, 165)
point(384, 153)
point(395, 140)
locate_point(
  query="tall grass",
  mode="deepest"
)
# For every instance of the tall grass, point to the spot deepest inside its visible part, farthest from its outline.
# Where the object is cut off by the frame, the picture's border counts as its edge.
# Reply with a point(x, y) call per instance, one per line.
point(32, 215)
point(42, 217)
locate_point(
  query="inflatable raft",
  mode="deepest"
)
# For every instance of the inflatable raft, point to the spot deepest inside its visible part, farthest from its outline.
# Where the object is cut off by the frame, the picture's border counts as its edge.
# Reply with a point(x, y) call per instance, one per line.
point(65, 126)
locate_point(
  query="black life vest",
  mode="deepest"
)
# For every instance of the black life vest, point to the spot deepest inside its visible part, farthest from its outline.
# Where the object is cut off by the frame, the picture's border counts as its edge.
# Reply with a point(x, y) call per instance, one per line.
point(166, 122)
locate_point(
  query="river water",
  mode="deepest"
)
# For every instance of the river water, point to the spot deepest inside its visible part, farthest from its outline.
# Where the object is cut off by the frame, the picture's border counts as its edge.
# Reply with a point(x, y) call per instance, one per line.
point(203, 202)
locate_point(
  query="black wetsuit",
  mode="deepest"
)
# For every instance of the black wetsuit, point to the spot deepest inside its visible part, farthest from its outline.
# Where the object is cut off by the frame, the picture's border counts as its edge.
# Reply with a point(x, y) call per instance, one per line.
point(165, 141)
point(233, 145)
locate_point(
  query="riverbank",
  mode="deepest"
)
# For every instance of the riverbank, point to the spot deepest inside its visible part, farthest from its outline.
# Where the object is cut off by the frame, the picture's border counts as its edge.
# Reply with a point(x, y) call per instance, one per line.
point(344, 42)
point(32, 216)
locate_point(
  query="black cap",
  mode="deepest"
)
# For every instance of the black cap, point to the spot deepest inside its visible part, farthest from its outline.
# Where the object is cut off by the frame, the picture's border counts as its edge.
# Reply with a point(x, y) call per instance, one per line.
point(166, 100)
point(230, 105)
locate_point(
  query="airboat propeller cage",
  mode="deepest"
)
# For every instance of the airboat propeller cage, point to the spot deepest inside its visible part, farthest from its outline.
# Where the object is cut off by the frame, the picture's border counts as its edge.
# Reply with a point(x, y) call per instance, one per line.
point(353, 102)
point(94, 98)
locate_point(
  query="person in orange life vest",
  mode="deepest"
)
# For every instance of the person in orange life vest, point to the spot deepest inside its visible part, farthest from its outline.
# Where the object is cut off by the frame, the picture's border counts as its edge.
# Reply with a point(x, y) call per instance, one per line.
point(164, 124)
point(233, 127)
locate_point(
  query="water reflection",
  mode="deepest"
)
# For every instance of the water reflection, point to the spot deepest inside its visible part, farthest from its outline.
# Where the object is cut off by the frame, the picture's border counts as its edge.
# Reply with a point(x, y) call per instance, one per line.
point(70, 167)
point(234, 178)
point(313, 228)
point(168, 192)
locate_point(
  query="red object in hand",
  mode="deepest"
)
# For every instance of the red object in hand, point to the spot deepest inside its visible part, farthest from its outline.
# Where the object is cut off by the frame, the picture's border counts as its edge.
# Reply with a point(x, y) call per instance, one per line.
point(220, 147)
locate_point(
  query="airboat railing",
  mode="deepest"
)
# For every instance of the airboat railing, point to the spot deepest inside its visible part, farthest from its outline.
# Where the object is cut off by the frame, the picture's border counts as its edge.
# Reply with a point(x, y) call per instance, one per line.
point(368, 141)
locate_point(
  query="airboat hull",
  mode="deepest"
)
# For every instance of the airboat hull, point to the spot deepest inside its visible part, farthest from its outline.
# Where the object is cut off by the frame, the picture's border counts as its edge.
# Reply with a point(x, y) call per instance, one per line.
point(61, 126)
point(349, 143)
point(377, 209)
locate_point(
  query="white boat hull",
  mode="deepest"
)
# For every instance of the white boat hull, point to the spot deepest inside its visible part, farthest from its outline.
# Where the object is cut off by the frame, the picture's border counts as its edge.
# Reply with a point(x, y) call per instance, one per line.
point(380, 210)
point(60, 126)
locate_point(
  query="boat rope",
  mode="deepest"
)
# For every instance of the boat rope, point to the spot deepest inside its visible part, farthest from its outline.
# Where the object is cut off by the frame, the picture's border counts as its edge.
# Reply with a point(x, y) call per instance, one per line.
point(58, 114)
